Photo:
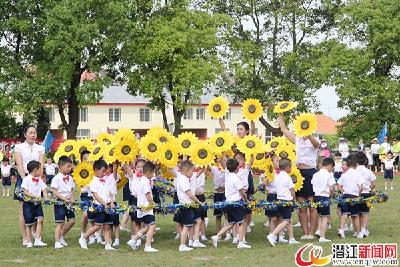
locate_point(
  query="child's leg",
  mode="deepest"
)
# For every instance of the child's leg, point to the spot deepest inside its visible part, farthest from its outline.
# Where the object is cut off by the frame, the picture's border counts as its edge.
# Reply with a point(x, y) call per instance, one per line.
point(280, 227)
point(149, 234)
point(242, 231)
point(28, 233)
point(386, 183)
point(224, 229)
point(4, 191)
point(124, 221)
point(289, 228)
point(84, 222)
point(323, 226)
point(57, 232)
point(218, 223)
point(197, 229)
point(356, 224)
point(107, 233)
point(273, 222)
point(39, 227)
point(8, 190)
point(92, 230)
point(67, 227)
point(191, 232)
point(203, 228)
point(364, 220)
point(343, 221)
point(117, 231)
point(22, 227)
point(184, 233)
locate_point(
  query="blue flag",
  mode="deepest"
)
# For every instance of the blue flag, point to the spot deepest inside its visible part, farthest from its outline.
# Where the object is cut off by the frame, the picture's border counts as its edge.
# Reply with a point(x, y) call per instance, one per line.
point(48, 141)
point(383, 133)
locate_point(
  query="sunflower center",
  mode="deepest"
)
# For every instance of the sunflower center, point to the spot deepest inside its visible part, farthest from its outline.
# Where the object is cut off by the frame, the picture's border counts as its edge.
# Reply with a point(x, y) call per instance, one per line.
point(294, 178)
point(96, 150)
point(220, 141)
point(126, 150)
point(217, 108)
point(252, 108)
point(250, 144)
point(111, 152)
point(163, 139)
point(260, 156)
point(305, 125)
point(284, 105)
point(84, 174)
point(168, 154)
point(283, 155)
point(203, 153)
point(186, 143)
point(152, 147)
point(68, 148)
point(274, 144)
point(106, 141)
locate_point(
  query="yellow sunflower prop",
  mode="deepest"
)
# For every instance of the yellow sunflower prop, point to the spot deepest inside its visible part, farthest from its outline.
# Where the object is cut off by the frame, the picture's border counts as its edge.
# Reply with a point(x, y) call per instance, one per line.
point(259, 160)
point(109, 154)
point(284, 153)
point(166, 173)
point(83, 174)
point(82, 145)
point(126, 150)
point(269, 170)
point(185, 142)
point(221, 142)
point(124, 133)
point(122, 181)
point(252, 109)
point(161, 135)
point(284, 106)
point(250, 145)
point(297, 179)
point(97, 152)
point(168, 155)
point(201, 154)
point(217, 107)
point(305, 124)
point(276, 142)
point(150, 147)
point(104, 138)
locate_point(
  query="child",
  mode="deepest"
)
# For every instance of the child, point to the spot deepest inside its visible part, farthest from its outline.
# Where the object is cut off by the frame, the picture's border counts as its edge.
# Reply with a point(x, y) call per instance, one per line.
point(6, 176)
point(369, 157)
point(323, 186)
point(199, 187)
point(102, 194)
point(50, 169)
point(234, 192)
point(187, 215)
point(388, 163)
point(350, 184)
point(62, 187)
point(33, 187)
point(112, 178)
point(145, 198)
point(338, 170)
point(219, 190)
point(285, 192)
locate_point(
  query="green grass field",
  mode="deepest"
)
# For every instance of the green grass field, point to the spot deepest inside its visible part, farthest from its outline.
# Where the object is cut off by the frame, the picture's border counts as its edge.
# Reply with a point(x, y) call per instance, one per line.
point(384, 225)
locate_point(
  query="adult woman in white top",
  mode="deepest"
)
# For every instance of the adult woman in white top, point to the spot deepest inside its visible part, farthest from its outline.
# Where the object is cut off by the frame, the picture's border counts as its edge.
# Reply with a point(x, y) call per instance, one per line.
point(375, 147)
point(24, 153)
point(307, 158)
point(343, 148)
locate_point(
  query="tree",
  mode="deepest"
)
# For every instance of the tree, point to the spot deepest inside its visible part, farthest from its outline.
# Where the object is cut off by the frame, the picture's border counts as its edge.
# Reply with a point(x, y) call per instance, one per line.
point(172, 51)
point(272, 52)
point(50, 44)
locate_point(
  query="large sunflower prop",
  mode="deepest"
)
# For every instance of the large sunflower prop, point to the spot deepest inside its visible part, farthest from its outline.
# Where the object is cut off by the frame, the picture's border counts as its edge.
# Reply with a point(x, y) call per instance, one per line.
point(269, 170)
point(259, 160)
point(161, 134)
point(67, 148)
point(285, 153)
point(126, 150)
point(275, 143)
point(217, 107)
point(305, 124)
point(201, 154)
point(97, 152)
point(168, 155)
point(252, 109)
point(109, 154)
point(166, 173)
point(284, 106)
point(150, 147)
point(186, 140)
point(221, 142)
point(82, 145)
point(297, 178)
point(83, 174)
point(105, 138)
point(124, 133)
point(123, 180)
point(250, 145)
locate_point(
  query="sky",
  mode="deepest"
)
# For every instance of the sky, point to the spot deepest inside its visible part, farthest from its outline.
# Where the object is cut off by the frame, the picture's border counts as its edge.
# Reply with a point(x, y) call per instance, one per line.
point(328, 99)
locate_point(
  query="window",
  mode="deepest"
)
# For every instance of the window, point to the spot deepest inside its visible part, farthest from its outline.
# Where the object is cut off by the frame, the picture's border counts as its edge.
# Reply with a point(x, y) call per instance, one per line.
point(83, 114)
point(82, 133)
point(228, 115)
point(114, 114)
point(144, 114)
point(268, 135)
point(200, 114)
point(51, 114)
point(188, 115)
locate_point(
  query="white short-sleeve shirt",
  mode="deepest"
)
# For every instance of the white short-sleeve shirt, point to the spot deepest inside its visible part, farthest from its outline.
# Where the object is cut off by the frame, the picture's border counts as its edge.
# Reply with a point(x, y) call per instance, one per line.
point(284, 184)
point(112, 183)
point(200, 184)
point(306, 153)
point(144, 187)
point(218, 177)
point(367, 176)
point(375, 148)
point(5, 170)
point(133, 184)
point(338, 166)
point(386, 147)
point(50, 168)
point(388, 164)
point(243, 174)
point(34, 185)
point(29, 152)
point(102, 188)
point(64, 184)
point(233, 185)
point(321, 182)
point(351, 182)
point(182, 186)
point(271, 186)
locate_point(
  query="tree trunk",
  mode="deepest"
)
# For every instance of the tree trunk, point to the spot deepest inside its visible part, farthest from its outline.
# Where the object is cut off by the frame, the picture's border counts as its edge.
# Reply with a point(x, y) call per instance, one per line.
point(273, 130)
point(165, 119)
point(73, 104)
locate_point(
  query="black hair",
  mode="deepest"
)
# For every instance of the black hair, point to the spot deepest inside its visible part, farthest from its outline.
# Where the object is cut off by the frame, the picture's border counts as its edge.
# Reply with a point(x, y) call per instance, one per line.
point(99, 164)
point(33, 165)
point(390, 152)
point(140, 160)
point(361, 158)
point(352, 161)
point(239, 153)
point(149, 167)
point(328, 162)
point(338, 154)
point(6, 159)
point(232, 165)
point(245, 125)
point(284, 163)
point(64, 160)
point(83, 153)
point(27, 127)
point(187, 164)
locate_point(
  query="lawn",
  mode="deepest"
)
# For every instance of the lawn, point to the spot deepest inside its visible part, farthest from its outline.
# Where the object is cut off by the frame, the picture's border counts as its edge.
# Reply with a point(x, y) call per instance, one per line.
point(383, 224)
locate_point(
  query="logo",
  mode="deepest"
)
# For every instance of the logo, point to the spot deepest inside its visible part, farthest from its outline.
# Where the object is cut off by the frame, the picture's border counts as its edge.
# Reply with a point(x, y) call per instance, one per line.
point(314, 256)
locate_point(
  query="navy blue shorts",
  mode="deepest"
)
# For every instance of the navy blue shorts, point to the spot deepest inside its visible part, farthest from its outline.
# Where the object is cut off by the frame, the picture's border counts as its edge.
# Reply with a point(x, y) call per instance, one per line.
point(61, 212)
point(307, 190)
point(49, 178)
point(325, 210)
point(200, 212)
point(388, 174)
point(91, 215)
point(235, 215)
point(103, 218)
point(272, 212)
point(18, 184)
point(337, 175)
point(148, 220)
point(364, 209)
point(115, 217)
point(6, 181)
point(133, 214)
point(349, 208)
point(126, 192)
point(219, 197)
point(285, 213)
point(31, 212)
point(187, 216)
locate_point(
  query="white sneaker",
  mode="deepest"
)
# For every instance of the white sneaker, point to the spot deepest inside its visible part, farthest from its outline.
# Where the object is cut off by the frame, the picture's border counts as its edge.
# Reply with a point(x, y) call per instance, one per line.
point(184, 248)
point(99, 240)
point(271, 239)
point(324, 240)
point(329, 226)
point(242, 245)
point(83, 243)
point(282, 239)
point(297, 224)
point(318, 233)
point(214, 240)
point(138, 242)
point(58, 245)
point(266, 224)
point(252, 224)
point(92, 240)
point(29, 244)
point(341, 233)
point(351, 227)
point(63, 243)
point(385, 188)
point(366, 232)
point(24, 243)
point(197, 244)
point(293, 241)
point(235, 240)
point(248, 229)
point(177, 236)
point(131, 243)
point(116, 243)
point(158, 228)
point(391, 188)
point(304, 237)
point(150, 249)
point(108, 247)
point(39, 243)
point(228, 237)
point(206, 220)
point(360, 235)
point(310, 237)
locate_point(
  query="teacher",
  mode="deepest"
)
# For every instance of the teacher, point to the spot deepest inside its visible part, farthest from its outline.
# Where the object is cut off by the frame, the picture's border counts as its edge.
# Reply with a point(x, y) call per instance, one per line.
point(307, 158)
point(24, 153)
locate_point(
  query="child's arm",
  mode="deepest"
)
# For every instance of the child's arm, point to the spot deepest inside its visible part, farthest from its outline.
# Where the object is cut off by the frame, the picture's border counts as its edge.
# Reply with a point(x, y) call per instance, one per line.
point(293, 193)
point(252, 127)
point(99, 199)
point(45, 195)
point(243, 194)
point(285, 130)
point(26, 193)
point(251, 162)
point(115, 173)
point(314, 141)
point(193, 197)
point(340, 187)
point(200, 172)
point(57, 194)
point(150, 198)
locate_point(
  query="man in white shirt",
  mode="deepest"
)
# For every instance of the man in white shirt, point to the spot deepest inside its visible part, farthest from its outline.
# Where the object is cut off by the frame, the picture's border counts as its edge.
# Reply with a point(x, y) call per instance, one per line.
point(50, 169)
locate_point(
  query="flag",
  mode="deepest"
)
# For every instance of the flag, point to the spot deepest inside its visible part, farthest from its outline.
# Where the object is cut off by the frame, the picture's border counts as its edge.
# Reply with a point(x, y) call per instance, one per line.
point(383, 133)
point(48, 141)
